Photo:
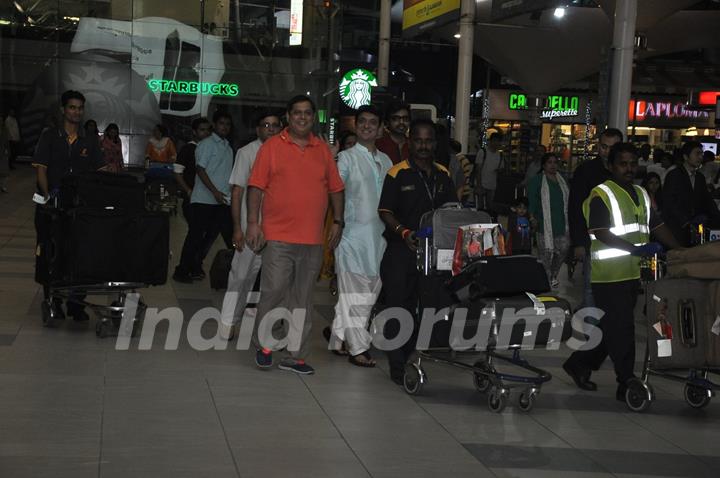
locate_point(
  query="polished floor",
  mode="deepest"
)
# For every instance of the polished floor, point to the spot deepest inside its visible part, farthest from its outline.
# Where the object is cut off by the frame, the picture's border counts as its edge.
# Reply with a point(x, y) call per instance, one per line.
point(73, 406)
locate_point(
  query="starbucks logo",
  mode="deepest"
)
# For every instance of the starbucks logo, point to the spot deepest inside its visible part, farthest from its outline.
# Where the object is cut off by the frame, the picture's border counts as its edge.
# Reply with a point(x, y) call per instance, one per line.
point(356, 87)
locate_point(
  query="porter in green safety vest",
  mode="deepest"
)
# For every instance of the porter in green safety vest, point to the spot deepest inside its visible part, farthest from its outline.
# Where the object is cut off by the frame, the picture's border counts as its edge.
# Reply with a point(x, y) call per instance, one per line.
point(630, 221)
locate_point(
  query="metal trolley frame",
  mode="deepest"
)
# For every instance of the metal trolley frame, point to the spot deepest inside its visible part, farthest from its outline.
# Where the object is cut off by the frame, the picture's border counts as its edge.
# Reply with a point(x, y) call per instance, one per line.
point(109, 316)
point(485, 376)
point(698, 389)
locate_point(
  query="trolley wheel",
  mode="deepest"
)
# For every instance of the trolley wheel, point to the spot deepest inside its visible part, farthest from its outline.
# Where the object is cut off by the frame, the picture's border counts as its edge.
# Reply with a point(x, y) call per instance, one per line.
point(101, 329)
point(638, 395)
point(697, 397)
point(48, 314)
point(414, 379)
point(482, 381)
point(139, 319)
point(526, 400)
point(498, 399)
point(116, 317)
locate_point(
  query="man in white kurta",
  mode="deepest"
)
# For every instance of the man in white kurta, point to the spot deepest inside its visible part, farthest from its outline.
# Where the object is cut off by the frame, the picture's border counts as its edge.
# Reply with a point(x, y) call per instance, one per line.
point(357, 257)
point(246, 263)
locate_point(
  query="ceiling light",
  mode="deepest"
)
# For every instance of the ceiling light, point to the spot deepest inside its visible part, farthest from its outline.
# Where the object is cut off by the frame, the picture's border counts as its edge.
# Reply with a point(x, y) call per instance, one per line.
point(457, 35)
point(559, 12)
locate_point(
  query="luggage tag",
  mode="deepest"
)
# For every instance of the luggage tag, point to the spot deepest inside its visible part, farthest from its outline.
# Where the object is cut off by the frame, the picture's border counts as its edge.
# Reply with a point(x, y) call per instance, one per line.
point(664, 348)
point(715, 329)
point(537, 304)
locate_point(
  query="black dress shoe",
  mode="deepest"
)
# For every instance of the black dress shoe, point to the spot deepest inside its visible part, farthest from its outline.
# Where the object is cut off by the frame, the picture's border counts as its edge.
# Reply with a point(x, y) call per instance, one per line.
point(620, 392)
point(182, 277)
point(582, 380)
point(397, 378)
point(80, 315)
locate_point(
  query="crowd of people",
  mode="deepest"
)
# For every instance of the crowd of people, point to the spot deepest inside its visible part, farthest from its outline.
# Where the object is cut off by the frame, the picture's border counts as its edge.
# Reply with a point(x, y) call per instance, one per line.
point(287, 196)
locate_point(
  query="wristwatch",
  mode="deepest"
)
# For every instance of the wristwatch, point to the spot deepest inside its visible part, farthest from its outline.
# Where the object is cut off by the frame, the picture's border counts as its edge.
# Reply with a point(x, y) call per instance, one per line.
point(339, 222)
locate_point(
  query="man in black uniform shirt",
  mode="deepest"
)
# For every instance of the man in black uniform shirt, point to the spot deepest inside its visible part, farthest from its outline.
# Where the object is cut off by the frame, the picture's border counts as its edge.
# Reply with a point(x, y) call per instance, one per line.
point(412, 188)
point(62, 151)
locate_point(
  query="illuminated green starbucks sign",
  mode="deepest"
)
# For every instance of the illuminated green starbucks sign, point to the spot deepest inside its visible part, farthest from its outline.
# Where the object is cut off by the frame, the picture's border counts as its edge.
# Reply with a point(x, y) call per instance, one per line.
point(193, 87)
point(356, 87)
point(554, 106)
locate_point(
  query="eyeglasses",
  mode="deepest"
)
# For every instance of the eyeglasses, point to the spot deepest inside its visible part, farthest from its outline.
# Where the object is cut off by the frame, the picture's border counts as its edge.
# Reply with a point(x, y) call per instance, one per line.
point(404, 119)
point(270, 125)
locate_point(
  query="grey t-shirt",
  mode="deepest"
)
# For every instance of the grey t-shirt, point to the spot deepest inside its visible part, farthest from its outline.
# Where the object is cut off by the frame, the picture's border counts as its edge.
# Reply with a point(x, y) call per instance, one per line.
point(488, 164)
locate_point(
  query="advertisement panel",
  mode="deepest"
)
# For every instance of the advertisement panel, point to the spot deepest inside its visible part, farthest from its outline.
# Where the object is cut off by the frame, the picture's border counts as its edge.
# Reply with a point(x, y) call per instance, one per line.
point(420, 15)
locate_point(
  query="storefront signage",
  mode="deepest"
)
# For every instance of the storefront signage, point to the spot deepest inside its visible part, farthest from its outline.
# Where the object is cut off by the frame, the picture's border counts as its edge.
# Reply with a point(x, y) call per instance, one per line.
point(356, 87)
point(554, 106)
point(296, 22)
point(193, 87)
point(641, 110)
point(708, 98)
point(420, 15)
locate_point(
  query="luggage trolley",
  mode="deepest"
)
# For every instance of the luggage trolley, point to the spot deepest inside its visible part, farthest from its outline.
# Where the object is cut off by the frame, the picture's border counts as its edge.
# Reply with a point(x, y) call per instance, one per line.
point(439, 231)
point(698, 387)
point(110, 316)
point(69, 268)
point(161, 188)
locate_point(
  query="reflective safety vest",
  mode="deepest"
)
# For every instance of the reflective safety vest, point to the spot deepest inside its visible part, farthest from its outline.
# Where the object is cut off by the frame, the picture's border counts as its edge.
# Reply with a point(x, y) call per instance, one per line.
point(630, 222)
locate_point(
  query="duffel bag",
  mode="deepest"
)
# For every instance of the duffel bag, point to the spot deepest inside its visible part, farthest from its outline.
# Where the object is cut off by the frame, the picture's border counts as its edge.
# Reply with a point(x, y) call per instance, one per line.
point(497, 276)
point(102, 189)
point(110, 245)
point(699, 262)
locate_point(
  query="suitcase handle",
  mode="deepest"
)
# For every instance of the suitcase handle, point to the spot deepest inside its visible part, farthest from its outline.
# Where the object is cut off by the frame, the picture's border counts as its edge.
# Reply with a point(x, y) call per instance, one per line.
point(686, 314)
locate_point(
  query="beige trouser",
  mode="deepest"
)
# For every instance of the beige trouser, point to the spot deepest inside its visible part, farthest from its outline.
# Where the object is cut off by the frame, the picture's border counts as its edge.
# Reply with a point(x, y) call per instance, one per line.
point(287, 280)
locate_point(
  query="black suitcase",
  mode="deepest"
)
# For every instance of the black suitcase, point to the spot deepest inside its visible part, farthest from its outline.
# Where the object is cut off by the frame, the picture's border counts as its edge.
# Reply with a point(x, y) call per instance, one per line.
point(92, 246)
point(102, 189)
point(48, 252)
point(500, 276)
point(685, 305)
point(502, 323)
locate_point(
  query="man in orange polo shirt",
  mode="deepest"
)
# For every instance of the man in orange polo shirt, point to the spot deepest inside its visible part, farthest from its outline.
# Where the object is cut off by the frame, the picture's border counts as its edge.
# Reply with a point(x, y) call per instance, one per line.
point(293, 175)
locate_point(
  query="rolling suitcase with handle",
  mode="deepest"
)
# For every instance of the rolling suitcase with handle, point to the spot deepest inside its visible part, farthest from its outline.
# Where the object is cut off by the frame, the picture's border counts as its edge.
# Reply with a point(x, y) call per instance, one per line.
point(679, 323)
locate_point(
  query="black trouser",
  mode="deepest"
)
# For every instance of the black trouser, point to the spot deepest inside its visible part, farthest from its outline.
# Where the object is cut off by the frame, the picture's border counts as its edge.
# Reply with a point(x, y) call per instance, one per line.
point(400, 277)
point(617, 300)
point(14, 147)
point(43, 230)
point(206, 222)
point(186, 208)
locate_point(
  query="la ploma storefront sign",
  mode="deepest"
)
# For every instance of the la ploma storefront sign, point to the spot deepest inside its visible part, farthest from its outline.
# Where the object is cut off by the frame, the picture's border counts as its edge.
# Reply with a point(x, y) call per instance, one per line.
point(554, 106)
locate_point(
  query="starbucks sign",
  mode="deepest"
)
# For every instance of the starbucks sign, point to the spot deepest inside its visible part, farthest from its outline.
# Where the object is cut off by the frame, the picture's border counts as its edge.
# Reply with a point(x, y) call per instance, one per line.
point(356, 87)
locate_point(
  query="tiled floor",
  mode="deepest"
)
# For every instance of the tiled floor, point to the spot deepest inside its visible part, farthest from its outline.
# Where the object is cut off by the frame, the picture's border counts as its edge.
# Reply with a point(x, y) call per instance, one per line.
point(73, 406)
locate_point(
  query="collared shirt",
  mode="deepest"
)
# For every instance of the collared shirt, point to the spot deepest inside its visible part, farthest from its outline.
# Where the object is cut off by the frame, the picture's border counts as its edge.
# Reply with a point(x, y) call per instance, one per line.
point(388, 146)
point(408, 193)
point(244, 160)
point(62, 155)
point(691, 173)
point(296, 182)
point(185, 163)
point(215, 156)
point(362, 246)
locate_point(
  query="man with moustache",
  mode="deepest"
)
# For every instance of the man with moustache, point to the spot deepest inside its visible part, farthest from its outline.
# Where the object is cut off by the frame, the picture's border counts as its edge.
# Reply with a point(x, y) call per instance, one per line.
point(293, 176)
point(411, 188)
point(246, 263)
point(394, 142)
point(357, 257)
